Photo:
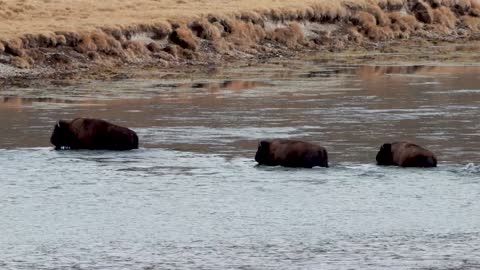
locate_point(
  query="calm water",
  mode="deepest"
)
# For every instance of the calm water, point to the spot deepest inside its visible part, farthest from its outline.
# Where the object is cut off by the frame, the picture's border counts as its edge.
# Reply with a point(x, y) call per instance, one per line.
point(192, 197)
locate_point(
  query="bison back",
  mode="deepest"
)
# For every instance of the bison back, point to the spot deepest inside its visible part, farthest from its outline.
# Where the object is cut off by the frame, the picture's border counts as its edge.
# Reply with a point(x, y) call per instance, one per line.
point(300, 154)
point(100, 134)
point(412, 155)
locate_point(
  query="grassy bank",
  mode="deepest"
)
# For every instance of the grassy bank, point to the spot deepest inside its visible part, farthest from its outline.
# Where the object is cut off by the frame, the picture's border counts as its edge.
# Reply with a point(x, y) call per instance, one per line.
point(20, 17)
point(41, 37)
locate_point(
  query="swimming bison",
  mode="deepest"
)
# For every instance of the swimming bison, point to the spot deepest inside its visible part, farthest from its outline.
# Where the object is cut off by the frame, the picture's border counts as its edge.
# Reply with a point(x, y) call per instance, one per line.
point(84, 133)
point(405, 154)
point(291, 153)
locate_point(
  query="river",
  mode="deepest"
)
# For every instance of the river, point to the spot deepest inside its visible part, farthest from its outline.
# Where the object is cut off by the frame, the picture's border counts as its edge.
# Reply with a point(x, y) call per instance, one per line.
point(192, 196)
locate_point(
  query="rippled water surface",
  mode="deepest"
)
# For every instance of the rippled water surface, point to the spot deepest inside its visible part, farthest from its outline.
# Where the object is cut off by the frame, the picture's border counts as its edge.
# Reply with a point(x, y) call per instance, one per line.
point(193, 198)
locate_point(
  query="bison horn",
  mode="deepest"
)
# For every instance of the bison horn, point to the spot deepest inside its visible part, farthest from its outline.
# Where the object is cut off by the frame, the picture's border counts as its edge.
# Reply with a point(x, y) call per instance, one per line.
point(58, 124)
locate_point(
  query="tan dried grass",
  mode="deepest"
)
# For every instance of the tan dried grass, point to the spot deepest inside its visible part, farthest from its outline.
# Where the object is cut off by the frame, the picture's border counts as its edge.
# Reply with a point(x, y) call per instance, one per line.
point(472, 23)
point(202, 28)
point(290, 36)
point(444, 16)
point(130, 33)
point(402, 22)
point(184, 38)
point(37, 16)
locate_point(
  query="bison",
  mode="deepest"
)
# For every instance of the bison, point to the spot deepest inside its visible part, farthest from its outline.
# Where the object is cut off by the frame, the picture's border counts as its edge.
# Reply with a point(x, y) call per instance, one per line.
point(291, 153)
point(93, 134)
point(405, 154)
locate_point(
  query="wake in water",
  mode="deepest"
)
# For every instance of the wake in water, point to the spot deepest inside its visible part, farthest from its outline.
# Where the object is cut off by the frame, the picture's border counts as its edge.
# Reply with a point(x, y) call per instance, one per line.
point(471, 168)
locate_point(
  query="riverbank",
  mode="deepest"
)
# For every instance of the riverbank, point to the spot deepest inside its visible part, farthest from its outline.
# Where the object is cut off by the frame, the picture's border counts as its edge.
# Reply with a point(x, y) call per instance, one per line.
point(192, 35)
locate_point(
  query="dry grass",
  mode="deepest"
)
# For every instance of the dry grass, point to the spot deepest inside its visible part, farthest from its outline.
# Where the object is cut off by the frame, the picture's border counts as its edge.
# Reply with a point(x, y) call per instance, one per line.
point(14, 47)
point(241, 33)
point(290, 36)
point(111, 32)
point(472, 23)
point(444, 16)
point(184, 38)
point(403, 23)
point(205, 30)
point(423, 12)
point(19, 17)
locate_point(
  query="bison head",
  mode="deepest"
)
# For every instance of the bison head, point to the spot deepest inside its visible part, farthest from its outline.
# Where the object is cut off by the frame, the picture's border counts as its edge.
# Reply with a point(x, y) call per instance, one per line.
point(61, 135)
point(263, 152)
point(385, 156)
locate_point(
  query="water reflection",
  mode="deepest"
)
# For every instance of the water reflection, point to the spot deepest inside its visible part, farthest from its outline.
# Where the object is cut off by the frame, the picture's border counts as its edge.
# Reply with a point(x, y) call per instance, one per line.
point(24, 101)
point(235, 85)
point(350, 109)
point(230, 84)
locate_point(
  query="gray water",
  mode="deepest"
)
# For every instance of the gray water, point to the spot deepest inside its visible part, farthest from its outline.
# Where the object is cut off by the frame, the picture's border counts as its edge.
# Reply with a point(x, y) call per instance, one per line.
point(193, 198)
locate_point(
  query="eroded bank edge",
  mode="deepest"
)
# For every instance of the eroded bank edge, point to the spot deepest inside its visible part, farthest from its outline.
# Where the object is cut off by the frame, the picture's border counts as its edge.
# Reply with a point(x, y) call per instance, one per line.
point(247, 35)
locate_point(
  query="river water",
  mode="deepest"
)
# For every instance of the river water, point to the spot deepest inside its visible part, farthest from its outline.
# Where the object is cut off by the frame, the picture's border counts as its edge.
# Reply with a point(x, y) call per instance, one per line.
point(193, 198)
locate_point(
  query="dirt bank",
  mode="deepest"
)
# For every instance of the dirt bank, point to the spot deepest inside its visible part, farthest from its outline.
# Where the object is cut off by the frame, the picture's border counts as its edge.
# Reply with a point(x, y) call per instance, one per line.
point(163, 38)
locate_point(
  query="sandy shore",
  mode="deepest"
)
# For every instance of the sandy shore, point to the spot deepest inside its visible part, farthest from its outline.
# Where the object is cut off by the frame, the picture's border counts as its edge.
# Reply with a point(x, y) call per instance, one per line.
point(44, 37)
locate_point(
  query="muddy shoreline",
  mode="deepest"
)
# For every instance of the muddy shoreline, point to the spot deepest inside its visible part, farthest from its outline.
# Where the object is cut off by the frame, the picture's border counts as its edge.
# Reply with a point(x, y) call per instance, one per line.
point(439, 29)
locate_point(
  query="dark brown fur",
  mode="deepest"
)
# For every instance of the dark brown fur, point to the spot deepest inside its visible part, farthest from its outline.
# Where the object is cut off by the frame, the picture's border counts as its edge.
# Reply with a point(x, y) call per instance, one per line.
point(405, 154)
point(291, 153)
point(84, 133)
